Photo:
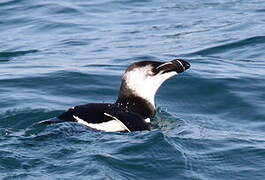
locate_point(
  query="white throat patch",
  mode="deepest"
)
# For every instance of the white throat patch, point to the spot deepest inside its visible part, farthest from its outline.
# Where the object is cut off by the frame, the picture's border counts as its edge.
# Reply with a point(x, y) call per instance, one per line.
point(144, 84)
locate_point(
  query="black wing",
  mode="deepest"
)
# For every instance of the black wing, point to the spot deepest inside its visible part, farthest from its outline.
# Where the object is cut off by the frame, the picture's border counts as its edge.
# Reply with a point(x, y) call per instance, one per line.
point(91, 113)
point(99, 113)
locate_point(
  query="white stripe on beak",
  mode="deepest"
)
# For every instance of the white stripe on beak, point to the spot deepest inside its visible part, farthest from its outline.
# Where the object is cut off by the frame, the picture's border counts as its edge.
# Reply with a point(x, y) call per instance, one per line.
point(181, 65)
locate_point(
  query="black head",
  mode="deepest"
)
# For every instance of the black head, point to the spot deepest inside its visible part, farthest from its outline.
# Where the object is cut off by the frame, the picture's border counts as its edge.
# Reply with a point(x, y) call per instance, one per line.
point(141, 80)
point(155, 67)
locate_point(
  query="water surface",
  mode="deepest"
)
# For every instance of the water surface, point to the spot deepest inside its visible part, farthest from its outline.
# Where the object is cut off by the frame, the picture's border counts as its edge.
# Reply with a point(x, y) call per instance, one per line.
point(56, 54)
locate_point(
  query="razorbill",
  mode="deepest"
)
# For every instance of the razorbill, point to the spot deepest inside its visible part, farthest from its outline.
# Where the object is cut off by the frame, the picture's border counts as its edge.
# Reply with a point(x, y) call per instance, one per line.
point(136, 101)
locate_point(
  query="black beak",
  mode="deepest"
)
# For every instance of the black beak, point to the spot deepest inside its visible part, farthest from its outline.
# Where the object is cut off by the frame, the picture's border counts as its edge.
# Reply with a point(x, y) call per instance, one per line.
point(177, 65)
point(181, 65)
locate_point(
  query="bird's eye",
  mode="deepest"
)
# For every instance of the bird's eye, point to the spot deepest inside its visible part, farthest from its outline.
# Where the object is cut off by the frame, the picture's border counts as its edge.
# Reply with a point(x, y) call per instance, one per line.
point(154, 71)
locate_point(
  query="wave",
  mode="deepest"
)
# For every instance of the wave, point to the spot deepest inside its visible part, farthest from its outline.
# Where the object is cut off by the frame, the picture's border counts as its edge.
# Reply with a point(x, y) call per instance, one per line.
point(228, 46)
point(8, 55)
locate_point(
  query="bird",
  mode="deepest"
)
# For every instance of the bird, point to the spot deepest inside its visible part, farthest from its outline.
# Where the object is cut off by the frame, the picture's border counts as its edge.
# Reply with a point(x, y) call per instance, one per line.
point(135, 105)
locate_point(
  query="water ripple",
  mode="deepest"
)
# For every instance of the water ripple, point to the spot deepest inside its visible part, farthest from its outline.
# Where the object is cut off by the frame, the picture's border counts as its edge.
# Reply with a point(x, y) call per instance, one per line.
point(226, 47)
point(8, 55)
point(210, 119)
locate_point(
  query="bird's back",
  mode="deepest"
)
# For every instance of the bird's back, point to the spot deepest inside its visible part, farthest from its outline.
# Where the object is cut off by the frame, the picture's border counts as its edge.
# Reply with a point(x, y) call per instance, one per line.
point(106, 117)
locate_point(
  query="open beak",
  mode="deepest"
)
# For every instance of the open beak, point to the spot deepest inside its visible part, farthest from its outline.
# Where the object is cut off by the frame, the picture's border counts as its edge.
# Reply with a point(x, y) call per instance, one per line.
point(177, 65)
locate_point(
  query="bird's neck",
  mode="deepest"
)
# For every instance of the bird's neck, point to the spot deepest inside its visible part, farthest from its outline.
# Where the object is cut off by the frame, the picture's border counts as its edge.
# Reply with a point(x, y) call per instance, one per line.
point(130, 101)
point(137, 105)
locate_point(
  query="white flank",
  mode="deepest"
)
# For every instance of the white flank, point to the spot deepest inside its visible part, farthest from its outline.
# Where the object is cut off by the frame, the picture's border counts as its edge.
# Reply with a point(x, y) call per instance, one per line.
point(110, 126)
point(143, 84)
point(121, 123)
point(147, 120)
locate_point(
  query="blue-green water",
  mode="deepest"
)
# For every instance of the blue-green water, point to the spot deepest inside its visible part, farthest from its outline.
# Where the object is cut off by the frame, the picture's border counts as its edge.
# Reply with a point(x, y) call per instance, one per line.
point(56, 54)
